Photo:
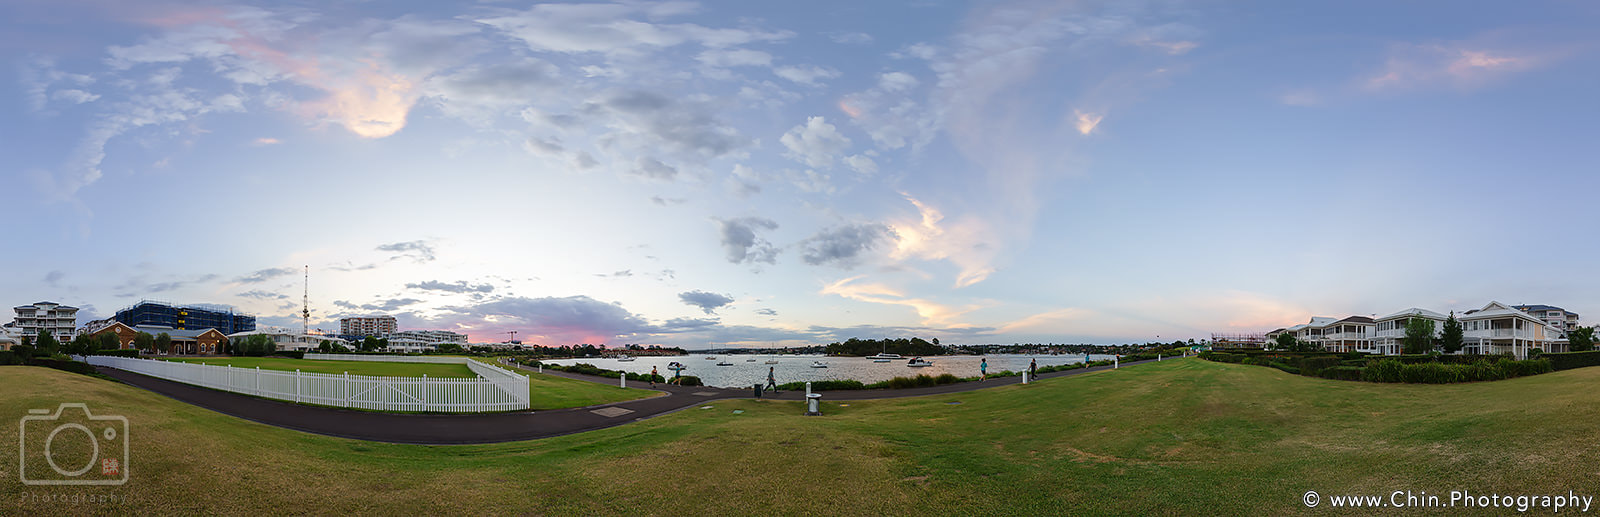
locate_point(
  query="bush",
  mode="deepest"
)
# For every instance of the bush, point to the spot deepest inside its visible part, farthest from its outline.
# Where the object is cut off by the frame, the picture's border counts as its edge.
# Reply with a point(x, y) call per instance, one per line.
point(920, 381)
point(1312, 365)
point(70, 366)
point(1524, 368)
point(7, 357)
point(1285, 367)
point(1431, 373)
point(689, 380)
point(824, 386)
point(293, 354)
point(1570, 360)
point(946, 379)
point(1535, 353)
point(1384, 370)
point(1343, 373)
point(1482, 371)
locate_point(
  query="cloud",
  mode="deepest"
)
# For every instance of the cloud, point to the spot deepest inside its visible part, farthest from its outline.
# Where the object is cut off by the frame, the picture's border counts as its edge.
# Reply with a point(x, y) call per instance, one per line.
point(619, 274)
point(653, 169)
point(549, 320)
point(460, 286)
point(1086, 122)
point(390, 305)
point(708, 302)
point(809, 75)
point(766, 312)
point(651, 121)
point(968, 243)
point(1464, 65)
point(815, 143)
point(741, 245)
point(265, 275)
point(53, 278)
point(844, 246)
point(724, 58)
point(419, 251)
point(263, 295)
point(265, 141)
point(897, 82)
point(482, 90)
point(74, 96)
point(850, 38)
point(345, 304)
point(931, 313)
point(862, 164)
point(616, 29)
point(667, 201)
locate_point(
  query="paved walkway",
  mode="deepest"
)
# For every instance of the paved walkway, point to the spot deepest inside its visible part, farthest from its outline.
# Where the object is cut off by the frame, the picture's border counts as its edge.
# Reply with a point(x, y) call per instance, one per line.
point(500, 427)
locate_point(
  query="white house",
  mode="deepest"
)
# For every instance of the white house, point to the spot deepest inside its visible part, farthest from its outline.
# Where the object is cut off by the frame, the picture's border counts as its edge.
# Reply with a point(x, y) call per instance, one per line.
point(414, 341)
point(1389, 332)
point(1498, 328)
point(288, 341)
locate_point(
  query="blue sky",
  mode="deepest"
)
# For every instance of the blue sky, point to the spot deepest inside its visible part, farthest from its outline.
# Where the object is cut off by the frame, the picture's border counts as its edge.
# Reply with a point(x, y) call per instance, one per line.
point(742, 173)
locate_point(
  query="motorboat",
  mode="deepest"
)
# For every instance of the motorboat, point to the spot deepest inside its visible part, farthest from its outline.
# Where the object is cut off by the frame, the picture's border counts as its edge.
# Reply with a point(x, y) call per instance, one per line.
point(724, 363)
point(676, 366)
point(772, 361)
point(819, 364)
point(749, 360)
point(711, 358)
point(886, 357)
point(918, 362)
point(624, 358)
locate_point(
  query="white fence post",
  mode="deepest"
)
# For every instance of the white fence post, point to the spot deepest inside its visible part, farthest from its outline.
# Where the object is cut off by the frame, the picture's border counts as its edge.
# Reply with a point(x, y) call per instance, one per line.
point(424, 394)
point(296, 384)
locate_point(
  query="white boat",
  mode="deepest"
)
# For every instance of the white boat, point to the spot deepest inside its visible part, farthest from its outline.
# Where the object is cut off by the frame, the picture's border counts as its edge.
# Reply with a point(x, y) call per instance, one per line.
point(724, 363)
point(772, 361)
point(624, 358)
point(749, 360)
point(676, 366)
point(886, 357)
point(711, 358)
point(819, 364)
point(918, 362)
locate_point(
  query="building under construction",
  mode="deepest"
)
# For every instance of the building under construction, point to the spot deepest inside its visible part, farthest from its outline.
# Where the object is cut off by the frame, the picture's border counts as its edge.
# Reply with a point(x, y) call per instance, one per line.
point(186, 317)
point(1239, 340)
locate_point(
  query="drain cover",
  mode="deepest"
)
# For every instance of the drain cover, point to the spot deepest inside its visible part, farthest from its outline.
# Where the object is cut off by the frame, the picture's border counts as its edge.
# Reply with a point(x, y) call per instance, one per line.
point(611, 412)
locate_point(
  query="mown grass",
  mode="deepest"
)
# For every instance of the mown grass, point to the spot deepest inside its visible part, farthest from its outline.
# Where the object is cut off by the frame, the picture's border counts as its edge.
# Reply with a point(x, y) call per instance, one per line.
point(1177, 437)
point(546, 391)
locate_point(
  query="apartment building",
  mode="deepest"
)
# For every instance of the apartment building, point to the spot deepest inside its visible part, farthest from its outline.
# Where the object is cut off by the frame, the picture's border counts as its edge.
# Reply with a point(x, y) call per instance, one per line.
point(413, 341)
point(58, 320)
point(287, 341)
point(1557, 317)
point(1351, 334)
point(1496, 328)
point(148, 313)
point(1389, 332)
point(375, 326)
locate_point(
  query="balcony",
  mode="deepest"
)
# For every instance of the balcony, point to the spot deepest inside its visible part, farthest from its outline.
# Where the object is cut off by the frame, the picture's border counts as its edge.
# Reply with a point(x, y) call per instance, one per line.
point(1500, 334)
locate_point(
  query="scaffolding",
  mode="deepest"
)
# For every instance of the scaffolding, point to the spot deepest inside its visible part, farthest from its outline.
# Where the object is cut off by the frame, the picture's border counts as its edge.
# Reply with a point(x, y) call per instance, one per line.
point(1239, 339)
point(155, 313)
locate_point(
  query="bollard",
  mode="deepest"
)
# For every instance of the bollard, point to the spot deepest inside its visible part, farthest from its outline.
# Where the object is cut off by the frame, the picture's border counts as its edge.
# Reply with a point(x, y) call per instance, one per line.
point(622, 382)
point(808, 389)
point(541, 367)
point(1158, 358)
point(1116, 362)
point(813, 404)
point(1024, 377)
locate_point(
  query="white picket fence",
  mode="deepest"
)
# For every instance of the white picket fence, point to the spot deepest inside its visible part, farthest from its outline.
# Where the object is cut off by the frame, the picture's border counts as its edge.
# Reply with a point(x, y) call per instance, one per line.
point(496, 389)
point(390, 358)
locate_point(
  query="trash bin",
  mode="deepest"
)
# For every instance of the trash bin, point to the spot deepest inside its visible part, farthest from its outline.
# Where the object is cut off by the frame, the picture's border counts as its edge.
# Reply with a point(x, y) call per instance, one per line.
point(758, 390)
point(813, 404)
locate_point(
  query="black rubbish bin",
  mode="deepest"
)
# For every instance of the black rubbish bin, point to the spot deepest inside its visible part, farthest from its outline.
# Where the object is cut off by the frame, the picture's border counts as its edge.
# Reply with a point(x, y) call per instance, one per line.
point(758, 391)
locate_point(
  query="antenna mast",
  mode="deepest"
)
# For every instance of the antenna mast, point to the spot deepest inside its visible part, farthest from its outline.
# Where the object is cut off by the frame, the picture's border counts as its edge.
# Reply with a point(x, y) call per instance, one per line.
point(305, 305)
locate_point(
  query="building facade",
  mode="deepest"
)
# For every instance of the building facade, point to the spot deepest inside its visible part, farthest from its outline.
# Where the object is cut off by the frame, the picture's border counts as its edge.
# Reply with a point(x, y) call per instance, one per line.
point(1498, 328)
point(186, 317)
point(1557, 317)
point(184, 342)
point(287, 341)
point(1495, 328)
point(58, 320)
point(414, 341)
point(375, 326)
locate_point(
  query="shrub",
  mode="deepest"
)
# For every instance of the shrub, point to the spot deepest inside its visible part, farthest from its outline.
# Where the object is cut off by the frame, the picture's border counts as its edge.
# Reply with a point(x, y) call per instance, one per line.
point(1384, 370)
point(1431, 373)
point(824, 386)
point(1343, 373)
point(70, 366)
point(1535, 353)
point(689, 380)
point(1570, 360)
point(1285, 367)
point(946, 379)
point(7, 357)
point(1524, 368)
point(920, 381)
point(1482, 371)
point(1312, 365)
point(293, 354)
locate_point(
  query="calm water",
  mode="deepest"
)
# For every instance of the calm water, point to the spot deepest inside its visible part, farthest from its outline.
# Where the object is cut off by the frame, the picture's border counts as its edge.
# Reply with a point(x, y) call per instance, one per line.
point(797, 368)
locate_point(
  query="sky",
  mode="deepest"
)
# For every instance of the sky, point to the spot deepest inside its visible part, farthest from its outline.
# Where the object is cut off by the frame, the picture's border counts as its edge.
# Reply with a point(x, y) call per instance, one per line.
point(787, 173)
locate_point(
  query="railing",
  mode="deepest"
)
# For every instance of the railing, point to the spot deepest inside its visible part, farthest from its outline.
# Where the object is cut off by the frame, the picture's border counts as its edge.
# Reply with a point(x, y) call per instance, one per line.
point(389, 358)
point(1500, 333)
point(497, 391)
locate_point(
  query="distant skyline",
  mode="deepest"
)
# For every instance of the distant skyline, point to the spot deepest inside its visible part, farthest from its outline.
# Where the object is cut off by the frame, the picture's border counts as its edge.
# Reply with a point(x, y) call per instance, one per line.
point(709, 174)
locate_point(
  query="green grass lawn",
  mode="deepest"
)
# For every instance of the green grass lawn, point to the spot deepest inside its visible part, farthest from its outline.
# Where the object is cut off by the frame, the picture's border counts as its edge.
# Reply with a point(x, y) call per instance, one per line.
point(547, 391)
point(1178, 437)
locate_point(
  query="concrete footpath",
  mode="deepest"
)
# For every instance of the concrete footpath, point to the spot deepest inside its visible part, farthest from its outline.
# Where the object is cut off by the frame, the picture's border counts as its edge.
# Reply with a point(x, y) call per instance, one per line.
point(444, 429)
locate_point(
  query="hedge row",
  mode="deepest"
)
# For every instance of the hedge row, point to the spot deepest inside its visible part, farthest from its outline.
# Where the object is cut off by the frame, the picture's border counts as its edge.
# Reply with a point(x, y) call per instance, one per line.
point(589, 369)
point(1392, 370)
point(1570, 360)
point(1401, 369)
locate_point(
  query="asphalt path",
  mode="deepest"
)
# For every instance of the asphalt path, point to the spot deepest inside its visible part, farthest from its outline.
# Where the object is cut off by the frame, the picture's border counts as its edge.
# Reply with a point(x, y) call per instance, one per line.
point(452, 429)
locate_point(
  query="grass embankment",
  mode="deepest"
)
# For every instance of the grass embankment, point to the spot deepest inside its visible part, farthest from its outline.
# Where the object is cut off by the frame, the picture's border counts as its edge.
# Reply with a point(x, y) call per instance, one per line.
point(546, 391)
point(1181, 437)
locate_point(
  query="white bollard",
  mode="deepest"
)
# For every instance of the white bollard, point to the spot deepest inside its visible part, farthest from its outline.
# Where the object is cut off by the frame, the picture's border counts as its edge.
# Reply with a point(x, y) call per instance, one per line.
point(541, 367)
point(1116, 362)
point(1158, 358)
point(1024, 377)
point(808, 389)
point(622, 382)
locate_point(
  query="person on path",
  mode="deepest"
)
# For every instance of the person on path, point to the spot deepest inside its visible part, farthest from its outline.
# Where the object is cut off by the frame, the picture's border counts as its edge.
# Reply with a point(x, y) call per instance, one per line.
point(772, 380)
point(1033, 370)
point(983, 370)
point(653, 375)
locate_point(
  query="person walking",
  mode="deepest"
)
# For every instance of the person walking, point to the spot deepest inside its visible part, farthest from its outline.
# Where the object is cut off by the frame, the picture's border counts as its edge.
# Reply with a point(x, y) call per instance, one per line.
point(983, 370)
point(772, 379)
point(1033, 370)
point(653, 375)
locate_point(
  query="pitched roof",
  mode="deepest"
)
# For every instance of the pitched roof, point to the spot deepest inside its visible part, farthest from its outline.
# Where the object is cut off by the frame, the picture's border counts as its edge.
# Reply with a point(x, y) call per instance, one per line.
point(1538, 308)
point(1355, 319)
point(1414, 312)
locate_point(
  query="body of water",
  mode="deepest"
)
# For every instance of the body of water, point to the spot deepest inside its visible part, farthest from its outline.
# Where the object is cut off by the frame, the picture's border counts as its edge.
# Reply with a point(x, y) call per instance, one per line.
point(797, 368)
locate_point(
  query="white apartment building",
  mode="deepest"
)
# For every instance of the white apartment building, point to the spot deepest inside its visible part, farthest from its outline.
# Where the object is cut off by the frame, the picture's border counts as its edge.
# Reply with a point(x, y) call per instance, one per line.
point(366, 326)
point(287, 341)
point(415, 341)
point(1496, 328)
point(59, 320)
point(1557, 317)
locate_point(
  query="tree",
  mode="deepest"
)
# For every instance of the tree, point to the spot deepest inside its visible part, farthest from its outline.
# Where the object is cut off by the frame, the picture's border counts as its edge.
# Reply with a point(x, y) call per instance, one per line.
point(450, 348)
point(1450, 337)
point(1581, 339)
point(80, 345)
point(1419, 336)
point(163, 341)
point(1285, 341)
point(145, 341)
point(369, 344)
point(47, 344)
point(936, 341)
point(325, 347)
point(109, 341)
